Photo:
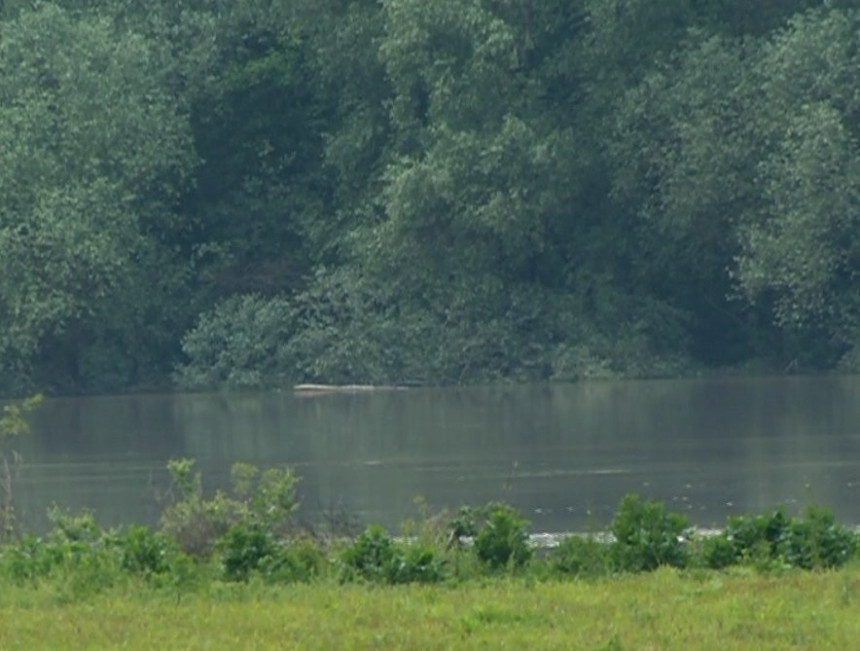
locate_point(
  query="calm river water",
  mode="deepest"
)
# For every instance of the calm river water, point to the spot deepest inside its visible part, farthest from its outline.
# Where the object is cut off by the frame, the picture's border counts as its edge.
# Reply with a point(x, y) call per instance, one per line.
point(563, 454)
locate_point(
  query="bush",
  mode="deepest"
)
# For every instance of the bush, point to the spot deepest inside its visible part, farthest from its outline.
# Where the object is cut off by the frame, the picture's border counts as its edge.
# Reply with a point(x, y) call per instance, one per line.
point(240, 343)
point(298, 561)
point(28, 559)
point(816, 541)
point(263, 501)
point(370, 556)
point(646, 536)
point(717, 551)
point(756, 538)
point(580, 557)
point(244, 548)
point(192, 521)
point(502, 539)
point(374, 556)
point(415, 563)
point(146, 553)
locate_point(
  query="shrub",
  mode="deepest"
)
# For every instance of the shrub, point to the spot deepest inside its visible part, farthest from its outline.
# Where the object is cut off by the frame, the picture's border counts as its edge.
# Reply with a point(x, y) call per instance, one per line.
point(274, 499)
point(646, 536)
point(717, 551)
point(28, 559)
point(265, 501)
point(463, 525)
point(756, 538)
point(502, 539)
point(415, 563)
point(370, 555)
point(375, 556)
point(816, 541)
point(192, 521)
point(244, 548)
point(240, 343)
point(298, 561)
point(580, 557)
point(145, 552)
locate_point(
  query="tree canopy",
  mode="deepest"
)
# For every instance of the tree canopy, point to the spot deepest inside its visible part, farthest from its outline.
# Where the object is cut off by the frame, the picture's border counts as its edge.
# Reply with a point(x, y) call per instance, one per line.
point(245, 192)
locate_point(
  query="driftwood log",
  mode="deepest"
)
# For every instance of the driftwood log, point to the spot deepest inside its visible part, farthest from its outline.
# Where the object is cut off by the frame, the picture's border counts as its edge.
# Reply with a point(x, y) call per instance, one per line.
point(342, 388)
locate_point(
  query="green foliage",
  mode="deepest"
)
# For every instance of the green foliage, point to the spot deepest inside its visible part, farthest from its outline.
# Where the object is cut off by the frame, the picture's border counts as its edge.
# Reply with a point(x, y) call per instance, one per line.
point(240, 343)
point(95, 150)
point(28, 559)
point(417, 562)
point(256, 193)
point(240, 524)
point(244, 549)
point(298, 560)
point(817, 541)
point(756, 538)
point(79, 559)
point(376, 557)
point(581, 557)
point(717, 551)
point(370, 556)
point(814, 541)
point(147, 553)
point(646, 536)
point(502, 540)
point(194, 522)
point(13, 423)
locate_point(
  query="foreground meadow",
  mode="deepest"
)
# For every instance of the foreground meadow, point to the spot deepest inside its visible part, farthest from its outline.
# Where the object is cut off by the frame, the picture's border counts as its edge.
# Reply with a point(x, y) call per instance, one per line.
point(235, 571)
point(666, 609)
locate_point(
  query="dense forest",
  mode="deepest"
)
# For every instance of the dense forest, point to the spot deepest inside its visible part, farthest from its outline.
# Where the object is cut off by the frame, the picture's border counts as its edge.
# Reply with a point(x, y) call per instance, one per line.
point(252, 192)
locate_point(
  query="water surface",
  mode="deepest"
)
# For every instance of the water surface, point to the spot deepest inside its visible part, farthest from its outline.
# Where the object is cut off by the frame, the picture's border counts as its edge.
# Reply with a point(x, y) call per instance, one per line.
point(563, 454)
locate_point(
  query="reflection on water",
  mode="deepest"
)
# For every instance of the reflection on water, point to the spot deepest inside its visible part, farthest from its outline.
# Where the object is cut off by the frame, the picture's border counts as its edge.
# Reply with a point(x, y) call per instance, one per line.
point(564, 454)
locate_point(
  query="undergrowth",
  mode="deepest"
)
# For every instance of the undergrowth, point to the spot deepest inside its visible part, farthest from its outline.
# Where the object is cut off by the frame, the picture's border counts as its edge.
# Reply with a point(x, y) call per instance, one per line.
point(250, 535)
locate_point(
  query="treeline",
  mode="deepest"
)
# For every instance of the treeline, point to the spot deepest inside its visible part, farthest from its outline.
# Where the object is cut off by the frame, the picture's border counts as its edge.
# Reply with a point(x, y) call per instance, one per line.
point(246, 192)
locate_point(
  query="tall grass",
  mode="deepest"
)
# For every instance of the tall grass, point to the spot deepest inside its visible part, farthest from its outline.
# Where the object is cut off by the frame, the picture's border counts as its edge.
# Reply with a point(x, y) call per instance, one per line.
point(665, 609)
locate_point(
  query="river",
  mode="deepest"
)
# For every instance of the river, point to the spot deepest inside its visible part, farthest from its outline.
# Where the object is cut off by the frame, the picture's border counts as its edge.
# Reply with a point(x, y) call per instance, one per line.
point(563, 454)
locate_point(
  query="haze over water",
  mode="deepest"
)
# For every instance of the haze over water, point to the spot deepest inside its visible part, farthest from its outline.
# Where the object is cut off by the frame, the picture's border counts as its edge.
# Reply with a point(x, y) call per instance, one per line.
point(563, 454)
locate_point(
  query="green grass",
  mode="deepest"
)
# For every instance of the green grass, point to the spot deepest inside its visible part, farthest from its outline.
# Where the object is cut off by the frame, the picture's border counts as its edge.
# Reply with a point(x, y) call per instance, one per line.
point(667, 609)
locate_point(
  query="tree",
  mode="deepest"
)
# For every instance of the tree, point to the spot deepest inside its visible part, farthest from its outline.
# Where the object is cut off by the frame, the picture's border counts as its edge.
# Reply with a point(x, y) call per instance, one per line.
point(94, 155)
point(800, 245)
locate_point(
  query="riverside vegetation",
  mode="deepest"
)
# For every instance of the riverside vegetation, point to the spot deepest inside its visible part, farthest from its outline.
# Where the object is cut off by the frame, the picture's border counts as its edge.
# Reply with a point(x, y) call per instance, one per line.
point(236, 568)
point(242, 193)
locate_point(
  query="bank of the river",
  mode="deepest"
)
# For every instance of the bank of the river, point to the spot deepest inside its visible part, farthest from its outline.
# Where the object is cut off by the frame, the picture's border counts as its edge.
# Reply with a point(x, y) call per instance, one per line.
point(737, 609)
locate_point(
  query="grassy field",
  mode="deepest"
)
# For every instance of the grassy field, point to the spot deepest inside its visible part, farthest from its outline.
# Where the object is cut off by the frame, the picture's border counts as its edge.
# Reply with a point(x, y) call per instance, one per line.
point(668, 609)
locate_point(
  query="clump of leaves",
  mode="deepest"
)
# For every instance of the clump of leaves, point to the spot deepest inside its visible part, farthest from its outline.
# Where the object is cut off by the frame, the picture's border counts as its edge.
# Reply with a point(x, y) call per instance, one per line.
point(647, 536)
point(502, 538)
point(816, 541)
point(147, 553)
point(376, 557)
point(261, 502)
point(580, 557)
point(775, 539)
point(756, 538)
point(13, 423)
